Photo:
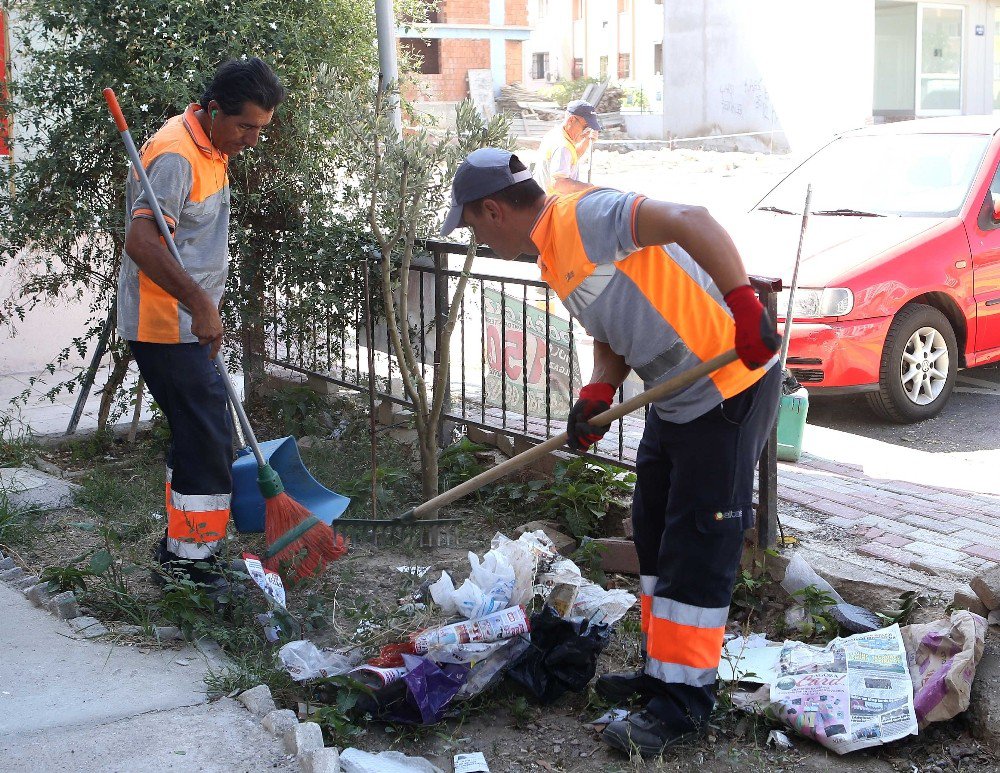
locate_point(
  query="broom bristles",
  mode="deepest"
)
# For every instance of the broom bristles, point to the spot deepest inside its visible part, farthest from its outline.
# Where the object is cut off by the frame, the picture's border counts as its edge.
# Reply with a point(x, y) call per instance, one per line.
point(309, 553)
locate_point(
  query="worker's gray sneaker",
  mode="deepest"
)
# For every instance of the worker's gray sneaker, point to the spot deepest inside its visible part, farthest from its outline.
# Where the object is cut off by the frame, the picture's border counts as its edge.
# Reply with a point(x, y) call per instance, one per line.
point(644, 733)
point(623, 687)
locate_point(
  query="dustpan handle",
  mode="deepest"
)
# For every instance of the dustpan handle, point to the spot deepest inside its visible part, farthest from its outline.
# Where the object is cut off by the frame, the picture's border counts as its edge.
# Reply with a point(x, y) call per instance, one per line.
point(168, 239)
point(675, 384)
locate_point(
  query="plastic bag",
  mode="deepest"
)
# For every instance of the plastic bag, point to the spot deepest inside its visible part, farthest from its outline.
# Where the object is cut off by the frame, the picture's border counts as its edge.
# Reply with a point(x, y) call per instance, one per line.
point(303, 660)
point(488, 589)
point(487, 672)
point(524, 555)
point(602, 606)
point(562, 656)
point(429, 690)
point(799, 575)
point(942, 657)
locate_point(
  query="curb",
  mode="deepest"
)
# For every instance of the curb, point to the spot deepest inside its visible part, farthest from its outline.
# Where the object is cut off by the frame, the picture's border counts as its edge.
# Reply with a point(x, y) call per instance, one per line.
point(62, 605)
point(302, 739)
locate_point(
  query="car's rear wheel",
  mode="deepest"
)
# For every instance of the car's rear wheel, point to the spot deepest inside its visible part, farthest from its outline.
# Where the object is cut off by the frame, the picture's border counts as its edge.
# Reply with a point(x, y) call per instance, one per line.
point(919, 365)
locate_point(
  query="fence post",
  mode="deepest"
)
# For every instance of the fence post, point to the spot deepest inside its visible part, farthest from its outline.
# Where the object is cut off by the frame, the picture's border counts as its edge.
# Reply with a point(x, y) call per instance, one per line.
point(445, 428)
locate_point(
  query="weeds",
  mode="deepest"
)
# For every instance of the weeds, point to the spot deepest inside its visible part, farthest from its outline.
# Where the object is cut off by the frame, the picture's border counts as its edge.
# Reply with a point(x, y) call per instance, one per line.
point(581, 492)
point(298, 409)
point(17, 524)
point(817, 622)
point(459, 462)
point(17, 447)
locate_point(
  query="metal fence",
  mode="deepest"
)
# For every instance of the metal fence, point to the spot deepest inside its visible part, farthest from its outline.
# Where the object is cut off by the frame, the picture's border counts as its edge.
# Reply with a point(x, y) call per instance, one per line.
point(517, 356)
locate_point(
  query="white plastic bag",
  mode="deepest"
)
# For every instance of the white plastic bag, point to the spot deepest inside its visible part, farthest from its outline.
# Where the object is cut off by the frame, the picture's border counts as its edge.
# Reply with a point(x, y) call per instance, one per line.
point(303, 660)
point(487, 590)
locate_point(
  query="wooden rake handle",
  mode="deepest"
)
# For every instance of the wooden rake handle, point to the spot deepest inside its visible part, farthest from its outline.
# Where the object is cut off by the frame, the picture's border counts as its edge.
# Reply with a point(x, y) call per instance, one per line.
point(614, 413)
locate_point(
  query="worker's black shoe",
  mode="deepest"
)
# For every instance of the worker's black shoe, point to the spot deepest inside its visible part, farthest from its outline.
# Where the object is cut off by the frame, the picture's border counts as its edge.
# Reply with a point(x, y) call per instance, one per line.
point(622, 687)
point(201, 571)
point(644, 733)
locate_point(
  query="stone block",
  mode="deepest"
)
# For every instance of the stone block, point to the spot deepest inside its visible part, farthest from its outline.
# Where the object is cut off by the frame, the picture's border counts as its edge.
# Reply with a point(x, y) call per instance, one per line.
point(12, 575)
point(627, 527)
point(7, 563)
point(983, 715)
point(321, 385)
point(305, 737)
point(564, 543)
point(277, 722)
point(482, 436)
point(987, 587)
point(618, 555)
point(88, 627)
point(29, 488)
point(258, 700)
point(167, 633)
point(966, 598)
point(325, 760)
point(547, 464)
point(25, 582)
point(505, 444)
point(38, 594)
point(63, 605)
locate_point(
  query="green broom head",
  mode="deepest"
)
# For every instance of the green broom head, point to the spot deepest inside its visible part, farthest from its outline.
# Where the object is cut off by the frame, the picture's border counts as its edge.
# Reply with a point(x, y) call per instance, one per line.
point(268, 482)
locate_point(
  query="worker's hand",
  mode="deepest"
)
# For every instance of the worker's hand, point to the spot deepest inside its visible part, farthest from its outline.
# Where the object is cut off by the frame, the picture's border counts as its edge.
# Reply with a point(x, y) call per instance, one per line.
point(207, 325)
point(594, 399)
point(756, 338)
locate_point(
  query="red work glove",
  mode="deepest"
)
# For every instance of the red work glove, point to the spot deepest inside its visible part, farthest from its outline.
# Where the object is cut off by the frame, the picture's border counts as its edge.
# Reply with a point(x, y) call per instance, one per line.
point(594, 399)
point(756, 339)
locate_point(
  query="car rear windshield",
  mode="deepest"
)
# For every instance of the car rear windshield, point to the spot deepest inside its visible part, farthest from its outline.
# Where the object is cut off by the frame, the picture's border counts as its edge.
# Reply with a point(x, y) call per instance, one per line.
point(916, 175)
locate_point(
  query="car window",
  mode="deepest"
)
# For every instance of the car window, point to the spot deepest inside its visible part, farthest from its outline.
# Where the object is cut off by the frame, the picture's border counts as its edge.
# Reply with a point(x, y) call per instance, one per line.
point(924, 175)
point(986, 222)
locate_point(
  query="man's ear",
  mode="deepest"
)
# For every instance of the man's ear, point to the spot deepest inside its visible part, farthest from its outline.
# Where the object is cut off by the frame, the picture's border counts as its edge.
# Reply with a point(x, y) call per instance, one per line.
point(492, 208)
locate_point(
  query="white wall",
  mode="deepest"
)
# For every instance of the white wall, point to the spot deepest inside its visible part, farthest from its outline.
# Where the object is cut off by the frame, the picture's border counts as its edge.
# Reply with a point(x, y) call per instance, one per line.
point(801, 66)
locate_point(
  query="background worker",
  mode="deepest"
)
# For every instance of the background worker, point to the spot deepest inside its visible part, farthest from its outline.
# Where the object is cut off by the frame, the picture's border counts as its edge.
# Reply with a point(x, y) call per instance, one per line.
point(559, 154)
point(661, 288)
point(170, 314)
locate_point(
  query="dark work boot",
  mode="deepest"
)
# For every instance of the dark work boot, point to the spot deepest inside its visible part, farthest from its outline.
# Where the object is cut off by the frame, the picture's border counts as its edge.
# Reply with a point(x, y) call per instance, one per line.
point(202, 571)
point(647, 734)
point(625, 686)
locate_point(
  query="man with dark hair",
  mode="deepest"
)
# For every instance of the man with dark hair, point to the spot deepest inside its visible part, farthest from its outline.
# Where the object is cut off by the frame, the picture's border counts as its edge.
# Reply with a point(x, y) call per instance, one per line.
point(169, 314)
point(661, 288)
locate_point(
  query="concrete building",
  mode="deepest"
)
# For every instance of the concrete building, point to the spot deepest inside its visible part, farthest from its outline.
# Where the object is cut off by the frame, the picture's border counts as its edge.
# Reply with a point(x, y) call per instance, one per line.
point(467, 35)
point(796, 72)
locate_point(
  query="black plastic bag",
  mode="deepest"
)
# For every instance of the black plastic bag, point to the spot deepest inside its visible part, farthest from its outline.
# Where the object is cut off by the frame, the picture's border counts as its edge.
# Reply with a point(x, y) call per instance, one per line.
point(562, 656)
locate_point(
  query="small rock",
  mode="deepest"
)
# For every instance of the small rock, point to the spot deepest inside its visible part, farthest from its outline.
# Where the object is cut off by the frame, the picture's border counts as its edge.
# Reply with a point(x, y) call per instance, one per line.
point(38, 594)
point(556, 749)
point(966, 598)
point(958, 752)
point(326, 760)
point(987, 587)
point(88, 627)
point(182, 662)
point(130, 630)
point(306, 441)
point(983, 715)
point(12, 575)
point(278, 721)
point(25, 582)
point(167, 633)
point(258, 700)
point(303, 738)
point(6, 563)
point(699, 759)
point(63, 605)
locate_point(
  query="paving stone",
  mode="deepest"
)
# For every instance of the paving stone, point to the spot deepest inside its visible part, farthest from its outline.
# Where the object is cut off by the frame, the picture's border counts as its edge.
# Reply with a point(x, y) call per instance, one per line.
point(38, 594)
point(25, 582)
point(258, 700)
point(63, 605)
point(305, 737)
point(88, 627)
point(892, 540)
point(168, 633)
point(278, 721)
point(983, 551)
point(987, 587)
point(6, 563)
point(886, 553)
point(936, 553)
point(966, 598)
point(27, 488)
point(326, 760)
point(12, 575)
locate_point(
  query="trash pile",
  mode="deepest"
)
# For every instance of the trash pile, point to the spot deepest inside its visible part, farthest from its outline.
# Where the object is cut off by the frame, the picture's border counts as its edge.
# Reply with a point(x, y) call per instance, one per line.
point(488, 632)
point(875, 686)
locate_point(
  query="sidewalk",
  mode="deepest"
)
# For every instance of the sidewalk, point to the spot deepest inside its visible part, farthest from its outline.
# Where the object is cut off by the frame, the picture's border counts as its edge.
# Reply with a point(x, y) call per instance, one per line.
point(68, 704)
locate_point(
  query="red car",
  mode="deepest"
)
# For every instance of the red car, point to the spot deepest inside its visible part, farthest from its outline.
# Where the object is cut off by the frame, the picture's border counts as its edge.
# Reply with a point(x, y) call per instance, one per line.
point(899, 284)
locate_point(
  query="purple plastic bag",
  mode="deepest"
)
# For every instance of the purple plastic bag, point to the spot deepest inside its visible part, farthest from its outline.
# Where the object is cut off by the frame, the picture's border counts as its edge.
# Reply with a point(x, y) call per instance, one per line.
point(429, 690)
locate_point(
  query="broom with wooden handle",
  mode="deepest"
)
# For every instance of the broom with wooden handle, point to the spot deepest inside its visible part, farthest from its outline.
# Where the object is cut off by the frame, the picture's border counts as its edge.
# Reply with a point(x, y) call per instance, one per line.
point(297, 540)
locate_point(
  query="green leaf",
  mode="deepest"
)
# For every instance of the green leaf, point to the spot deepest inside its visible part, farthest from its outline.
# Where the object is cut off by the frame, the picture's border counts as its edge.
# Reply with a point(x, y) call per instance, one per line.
point(100, 562)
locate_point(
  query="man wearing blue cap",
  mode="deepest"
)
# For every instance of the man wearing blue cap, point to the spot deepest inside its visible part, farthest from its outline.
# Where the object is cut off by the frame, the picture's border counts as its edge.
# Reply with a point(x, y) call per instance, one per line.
point(661, 288)
point(559, 154)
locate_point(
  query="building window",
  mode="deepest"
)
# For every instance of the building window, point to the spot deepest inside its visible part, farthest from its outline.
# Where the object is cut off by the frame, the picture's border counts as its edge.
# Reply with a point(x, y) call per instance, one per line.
point(539, 66)
point(426, 52)
point(624, 66)
point(577, 68)
point(658, 59)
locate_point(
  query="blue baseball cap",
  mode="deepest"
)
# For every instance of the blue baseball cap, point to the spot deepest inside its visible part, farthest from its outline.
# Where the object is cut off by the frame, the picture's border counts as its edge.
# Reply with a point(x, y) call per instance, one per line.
point(586, 111)
point(484, 171)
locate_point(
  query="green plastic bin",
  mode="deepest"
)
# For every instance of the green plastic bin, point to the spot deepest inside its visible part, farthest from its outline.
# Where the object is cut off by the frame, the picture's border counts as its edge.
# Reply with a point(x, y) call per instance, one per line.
point(792, 412)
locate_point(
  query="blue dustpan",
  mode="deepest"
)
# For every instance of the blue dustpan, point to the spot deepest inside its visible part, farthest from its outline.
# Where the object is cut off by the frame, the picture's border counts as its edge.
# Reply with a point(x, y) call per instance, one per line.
point(283, 455)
